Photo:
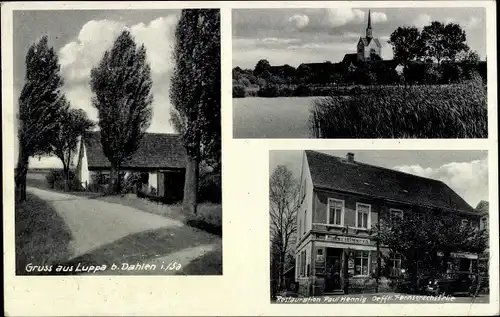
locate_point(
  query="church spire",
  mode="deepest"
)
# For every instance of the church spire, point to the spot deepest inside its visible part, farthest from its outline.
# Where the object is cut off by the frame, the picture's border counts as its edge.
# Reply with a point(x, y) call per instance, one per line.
point(369, 27)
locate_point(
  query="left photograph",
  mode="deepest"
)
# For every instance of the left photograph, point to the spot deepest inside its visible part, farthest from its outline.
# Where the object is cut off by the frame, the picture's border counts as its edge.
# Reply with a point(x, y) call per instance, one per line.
point(117, 142)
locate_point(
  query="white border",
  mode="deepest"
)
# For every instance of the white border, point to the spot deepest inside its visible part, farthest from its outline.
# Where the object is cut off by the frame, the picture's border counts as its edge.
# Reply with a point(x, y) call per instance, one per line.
point(244, 287)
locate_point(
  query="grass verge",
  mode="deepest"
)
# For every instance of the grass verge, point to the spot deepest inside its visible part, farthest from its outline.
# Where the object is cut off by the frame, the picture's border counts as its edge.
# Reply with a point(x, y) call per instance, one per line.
point(41, 235)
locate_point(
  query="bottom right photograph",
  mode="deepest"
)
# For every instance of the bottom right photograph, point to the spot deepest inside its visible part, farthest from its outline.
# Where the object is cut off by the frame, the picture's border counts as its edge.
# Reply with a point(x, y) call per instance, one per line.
point(356, 226)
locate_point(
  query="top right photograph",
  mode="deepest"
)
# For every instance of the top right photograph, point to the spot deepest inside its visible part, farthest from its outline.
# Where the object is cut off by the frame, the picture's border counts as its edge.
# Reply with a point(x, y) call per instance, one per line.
point(360, 73)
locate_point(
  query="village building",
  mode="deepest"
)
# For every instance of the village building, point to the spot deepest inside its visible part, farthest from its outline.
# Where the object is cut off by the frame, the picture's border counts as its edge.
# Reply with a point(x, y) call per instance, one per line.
point(342, 201)
point(160, 159)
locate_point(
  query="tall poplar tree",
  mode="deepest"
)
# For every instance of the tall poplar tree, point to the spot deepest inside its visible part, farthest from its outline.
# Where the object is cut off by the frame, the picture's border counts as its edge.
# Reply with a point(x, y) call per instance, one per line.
point(121, 84)
point(195, 93)
point(39, 108)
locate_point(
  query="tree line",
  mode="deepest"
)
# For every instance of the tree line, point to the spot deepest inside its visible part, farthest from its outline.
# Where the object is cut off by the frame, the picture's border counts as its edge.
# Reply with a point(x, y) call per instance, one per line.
point(121, 92)
point(438, 54)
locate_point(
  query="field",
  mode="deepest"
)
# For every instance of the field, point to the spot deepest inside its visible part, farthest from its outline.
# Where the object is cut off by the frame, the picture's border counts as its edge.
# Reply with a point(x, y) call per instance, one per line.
point(451, 111)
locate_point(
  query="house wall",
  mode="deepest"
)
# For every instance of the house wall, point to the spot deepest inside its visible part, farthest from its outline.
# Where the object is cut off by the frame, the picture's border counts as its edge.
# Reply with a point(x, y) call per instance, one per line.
point(371, 46)
point(304, 214)
point(82, 168)
point(153, 180)
point(350, 201)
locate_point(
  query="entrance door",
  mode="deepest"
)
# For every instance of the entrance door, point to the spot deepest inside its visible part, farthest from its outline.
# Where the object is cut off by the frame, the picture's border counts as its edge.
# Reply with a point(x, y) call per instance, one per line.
point(333, 270)
point(174, 186)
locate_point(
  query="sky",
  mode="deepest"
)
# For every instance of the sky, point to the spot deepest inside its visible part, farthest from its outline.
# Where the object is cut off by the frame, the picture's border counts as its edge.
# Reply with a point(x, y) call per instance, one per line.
point(307, 35)
point(80, 37)
point(466, 172)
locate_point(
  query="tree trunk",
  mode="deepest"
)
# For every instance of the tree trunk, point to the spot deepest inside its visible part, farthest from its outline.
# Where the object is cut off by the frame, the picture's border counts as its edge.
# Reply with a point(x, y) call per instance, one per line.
point(66, 176)
point(191, 186)
point(20, 177)
point(114, 178)
point(282, 270)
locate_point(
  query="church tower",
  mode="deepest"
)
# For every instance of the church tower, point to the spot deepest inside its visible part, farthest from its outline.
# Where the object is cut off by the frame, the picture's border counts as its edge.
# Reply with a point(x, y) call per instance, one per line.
point(369, 27)
point(368, 46)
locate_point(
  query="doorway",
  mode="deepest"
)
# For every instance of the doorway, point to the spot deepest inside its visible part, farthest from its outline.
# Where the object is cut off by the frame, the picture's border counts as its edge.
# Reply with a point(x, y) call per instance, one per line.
point(173, 186)
point(333, 265)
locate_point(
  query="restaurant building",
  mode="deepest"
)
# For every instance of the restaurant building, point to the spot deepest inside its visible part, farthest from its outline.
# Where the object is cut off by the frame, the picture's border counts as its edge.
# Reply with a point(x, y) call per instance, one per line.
point(342, 201)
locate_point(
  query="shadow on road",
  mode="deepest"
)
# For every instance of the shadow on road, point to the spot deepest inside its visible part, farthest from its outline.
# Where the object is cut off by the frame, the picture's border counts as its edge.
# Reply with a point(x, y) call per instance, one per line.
point(137, 249)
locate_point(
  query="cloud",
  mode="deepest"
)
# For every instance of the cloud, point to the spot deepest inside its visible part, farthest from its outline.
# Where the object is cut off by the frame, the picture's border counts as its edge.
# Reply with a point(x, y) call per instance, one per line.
point(78, 57)
point(342, 16)
point(422, 20)
point(378, 17)
point(299, 21)
point(468, 179)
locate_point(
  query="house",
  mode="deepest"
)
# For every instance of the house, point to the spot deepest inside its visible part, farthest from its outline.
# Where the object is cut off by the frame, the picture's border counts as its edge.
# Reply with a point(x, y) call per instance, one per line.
point(160, 158)
point(341, 202)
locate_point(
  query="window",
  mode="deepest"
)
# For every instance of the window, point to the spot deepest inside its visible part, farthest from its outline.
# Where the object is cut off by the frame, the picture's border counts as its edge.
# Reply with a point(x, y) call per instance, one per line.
point(305, 221)
point(319, 255)
point(484, 223)
point(395, 265)
point(335, 211)
point(465, 222)
point(363, 216)
point(396, 213)
point(300, 226)
point(298, 264)
point(303, 263)
point(361, 261)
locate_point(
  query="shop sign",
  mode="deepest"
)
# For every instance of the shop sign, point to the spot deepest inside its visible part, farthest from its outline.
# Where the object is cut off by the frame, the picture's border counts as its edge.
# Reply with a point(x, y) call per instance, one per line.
point(349, 240)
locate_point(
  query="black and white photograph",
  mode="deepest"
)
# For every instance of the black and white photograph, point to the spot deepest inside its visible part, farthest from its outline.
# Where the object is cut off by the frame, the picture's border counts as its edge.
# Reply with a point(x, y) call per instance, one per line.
point(379, 226)
point(342, 72)
point(117, 142)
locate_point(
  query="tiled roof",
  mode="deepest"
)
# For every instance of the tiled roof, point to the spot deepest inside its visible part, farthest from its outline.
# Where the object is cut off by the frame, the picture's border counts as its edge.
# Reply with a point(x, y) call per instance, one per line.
point(156, 151)
point(483, 207)
point(334, 173)
point(350, 58)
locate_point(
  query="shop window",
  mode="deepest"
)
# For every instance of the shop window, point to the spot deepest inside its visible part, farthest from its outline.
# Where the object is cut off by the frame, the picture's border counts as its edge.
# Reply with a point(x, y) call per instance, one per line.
point(319, 255)
point(363, 216)
point(335, 211)
point(361, 261)
point(395, 265)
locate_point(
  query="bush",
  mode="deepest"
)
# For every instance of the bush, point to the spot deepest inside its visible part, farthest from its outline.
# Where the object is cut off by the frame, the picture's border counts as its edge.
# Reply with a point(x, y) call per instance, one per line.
point(209, 188)
point(269, 90)
point(238, 91)
point(56, 176)
point(452, 111)
point(129, 184)
point(208, 218)
point(302, 91)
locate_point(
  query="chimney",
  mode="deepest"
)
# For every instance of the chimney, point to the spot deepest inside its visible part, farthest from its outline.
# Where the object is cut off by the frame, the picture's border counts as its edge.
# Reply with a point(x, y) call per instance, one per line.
point(350, 157)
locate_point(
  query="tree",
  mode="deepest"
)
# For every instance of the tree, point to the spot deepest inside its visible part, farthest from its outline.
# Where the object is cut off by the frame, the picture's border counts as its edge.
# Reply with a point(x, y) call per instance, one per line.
point(469, 57)
point(405, 44)
point(195, 94)
point(71, 124)
point(261, 66)
point(426, 233)
point(39, 108)
point(439, 41)
point(121, 84)
point(284, 203)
